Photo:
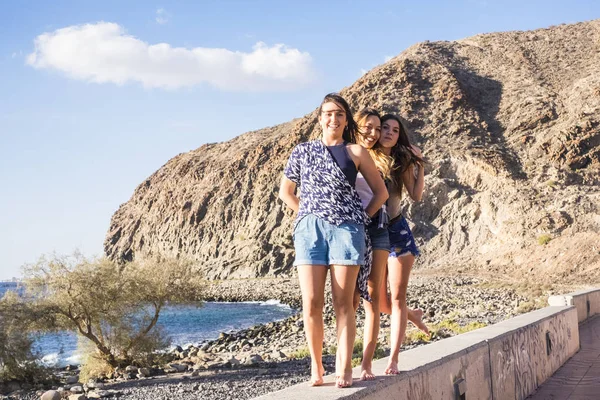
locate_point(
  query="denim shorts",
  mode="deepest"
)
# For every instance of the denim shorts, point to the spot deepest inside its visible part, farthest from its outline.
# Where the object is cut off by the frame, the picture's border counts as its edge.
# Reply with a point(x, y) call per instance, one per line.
point(402, 241)
point(317, 242)
point(380, 238)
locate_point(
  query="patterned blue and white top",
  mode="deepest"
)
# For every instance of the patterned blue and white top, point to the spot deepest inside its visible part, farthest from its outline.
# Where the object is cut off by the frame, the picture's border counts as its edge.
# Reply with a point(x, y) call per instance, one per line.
point(325, 190)
point(326, 193)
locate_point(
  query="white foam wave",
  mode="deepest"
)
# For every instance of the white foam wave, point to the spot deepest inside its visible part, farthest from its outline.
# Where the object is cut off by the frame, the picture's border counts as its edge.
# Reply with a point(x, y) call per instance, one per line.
point(74, 359)
point(270, 302)
point(58, 360)
point(50, 360)
point(275, 302)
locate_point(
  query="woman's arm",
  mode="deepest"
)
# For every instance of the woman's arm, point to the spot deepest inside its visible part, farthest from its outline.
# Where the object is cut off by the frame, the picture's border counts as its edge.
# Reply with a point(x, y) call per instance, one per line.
point(287, 193)
point(414, 185)
point(369, 171)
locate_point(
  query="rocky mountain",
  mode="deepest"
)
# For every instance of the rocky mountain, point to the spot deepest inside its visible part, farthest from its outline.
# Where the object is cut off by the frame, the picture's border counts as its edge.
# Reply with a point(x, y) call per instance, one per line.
point(510, 125)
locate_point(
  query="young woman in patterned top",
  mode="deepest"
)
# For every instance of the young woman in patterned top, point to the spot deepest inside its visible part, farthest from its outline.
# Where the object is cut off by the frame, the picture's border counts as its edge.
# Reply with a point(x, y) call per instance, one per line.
point(329, 230)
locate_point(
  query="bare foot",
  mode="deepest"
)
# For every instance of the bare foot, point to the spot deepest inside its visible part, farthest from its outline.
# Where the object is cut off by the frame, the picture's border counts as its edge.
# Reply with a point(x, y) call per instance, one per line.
point(345, 380)
point(316, 375)
point(366, 374)
point(418, 313)
point(392, 368)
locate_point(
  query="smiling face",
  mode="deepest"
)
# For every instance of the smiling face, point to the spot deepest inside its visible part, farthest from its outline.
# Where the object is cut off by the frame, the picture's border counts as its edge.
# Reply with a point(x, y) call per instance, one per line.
point(390, 132)
point(332, 119)
point(370, 131)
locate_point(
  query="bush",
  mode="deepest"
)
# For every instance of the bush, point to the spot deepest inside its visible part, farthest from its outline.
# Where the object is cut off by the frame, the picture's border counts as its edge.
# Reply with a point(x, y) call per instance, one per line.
point(115, 307)
point(300, 354)
point(451, 325)
point(17, 359)
point(92, 364)
point(415, 336)
point(544, 239)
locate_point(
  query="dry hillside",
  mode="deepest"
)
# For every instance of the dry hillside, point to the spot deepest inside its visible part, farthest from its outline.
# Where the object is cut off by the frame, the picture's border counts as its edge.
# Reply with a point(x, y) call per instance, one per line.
point(510, 123)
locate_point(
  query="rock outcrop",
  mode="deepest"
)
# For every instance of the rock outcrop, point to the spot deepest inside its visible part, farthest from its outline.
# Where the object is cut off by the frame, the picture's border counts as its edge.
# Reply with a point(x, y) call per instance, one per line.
point(510, 125)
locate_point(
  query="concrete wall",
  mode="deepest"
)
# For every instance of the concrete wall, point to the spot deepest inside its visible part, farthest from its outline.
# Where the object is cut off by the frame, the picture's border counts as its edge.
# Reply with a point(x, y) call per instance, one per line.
point(503, 361)
point(587, 302)
point(532, 347)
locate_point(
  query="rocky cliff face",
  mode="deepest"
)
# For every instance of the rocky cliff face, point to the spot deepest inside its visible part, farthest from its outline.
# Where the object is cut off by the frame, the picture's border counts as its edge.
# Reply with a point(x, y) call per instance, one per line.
point(510, 123)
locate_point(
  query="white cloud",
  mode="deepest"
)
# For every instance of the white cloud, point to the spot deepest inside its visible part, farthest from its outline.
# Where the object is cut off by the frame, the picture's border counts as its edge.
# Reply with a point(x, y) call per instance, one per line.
point(162, 17)
point(363, 71)
point(104, 53)
point(13, 55)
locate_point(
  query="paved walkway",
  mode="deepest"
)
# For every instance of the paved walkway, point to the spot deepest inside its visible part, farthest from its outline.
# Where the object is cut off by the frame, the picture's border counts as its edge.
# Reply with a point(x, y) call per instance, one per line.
point(578, 378)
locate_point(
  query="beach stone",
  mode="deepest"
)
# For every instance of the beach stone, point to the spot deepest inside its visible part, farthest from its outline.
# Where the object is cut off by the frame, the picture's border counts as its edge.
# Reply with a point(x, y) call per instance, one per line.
point(131, 368)
point(72, 379)
point(214, 365)
point(233, 361)
point(77, 397)
point(179, 367)
point(277, 355)
point(51, 395)
point(178, 349)
point(253, 359)
point(77, 389)
point(144, 372)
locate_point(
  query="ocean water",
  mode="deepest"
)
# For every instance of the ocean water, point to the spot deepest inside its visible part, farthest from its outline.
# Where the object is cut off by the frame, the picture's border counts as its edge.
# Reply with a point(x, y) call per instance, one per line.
point(185, 324)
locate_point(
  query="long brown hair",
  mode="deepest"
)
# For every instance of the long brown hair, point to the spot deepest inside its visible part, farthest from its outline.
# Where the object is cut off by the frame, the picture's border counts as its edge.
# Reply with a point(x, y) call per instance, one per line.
point(382, 161)
point(401, 154)
point(349, 134)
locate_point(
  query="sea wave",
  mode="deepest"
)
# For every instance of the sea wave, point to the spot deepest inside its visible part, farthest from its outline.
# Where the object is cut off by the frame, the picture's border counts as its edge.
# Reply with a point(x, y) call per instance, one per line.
point(270, 302)
point(60, 360)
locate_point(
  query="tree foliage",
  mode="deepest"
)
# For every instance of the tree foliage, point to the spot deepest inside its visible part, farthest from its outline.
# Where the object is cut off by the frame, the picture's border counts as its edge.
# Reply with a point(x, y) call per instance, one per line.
point(116, 307)
point(18, 361)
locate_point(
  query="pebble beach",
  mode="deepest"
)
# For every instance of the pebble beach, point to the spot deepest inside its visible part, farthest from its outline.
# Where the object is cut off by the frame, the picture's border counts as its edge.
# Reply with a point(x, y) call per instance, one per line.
point(269, 357)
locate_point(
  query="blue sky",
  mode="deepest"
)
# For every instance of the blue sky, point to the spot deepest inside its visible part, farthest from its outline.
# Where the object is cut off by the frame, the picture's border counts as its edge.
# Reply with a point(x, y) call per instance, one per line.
point(96, 96)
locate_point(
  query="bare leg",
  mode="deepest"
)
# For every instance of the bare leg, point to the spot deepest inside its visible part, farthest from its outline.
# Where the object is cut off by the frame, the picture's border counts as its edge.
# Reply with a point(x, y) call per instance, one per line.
point(372, 312)
point(343, 284)
point(385, 306)
point(355, 304)
point(398, 272)
point(312, 285)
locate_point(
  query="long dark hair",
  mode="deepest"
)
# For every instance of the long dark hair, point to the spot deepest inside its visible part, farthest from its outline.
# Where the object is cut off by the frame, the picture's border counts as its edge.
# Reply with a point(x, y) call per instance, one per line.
point(351, 129)
point(402, 153)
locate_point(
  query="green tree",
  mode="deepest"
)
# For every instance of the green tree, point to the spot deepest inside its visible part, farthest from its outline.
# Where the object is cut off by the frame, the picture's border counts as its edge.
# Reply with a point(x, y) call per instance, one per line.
point(116, 307)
